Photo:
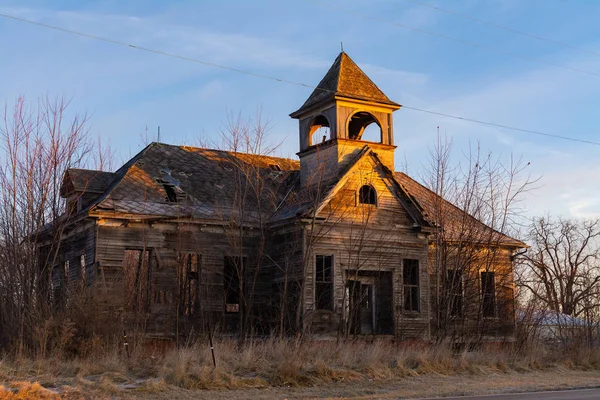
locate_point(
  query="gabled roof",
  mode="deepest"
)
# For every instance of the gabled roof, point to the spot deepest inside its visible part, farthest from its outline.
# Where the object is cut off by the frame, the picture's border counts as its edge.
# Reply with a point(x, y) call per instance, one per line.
point(305, 202)
point(457, 224)
point(346, 79)
point(204, 182)
point(85, 180)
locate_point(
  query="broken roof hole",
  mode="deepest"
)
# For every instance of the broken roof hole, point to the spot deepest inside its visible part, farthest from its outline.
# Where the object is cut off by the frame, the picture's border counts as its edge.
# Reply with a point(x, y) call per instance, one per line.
point(174, 194)
point(275, 167)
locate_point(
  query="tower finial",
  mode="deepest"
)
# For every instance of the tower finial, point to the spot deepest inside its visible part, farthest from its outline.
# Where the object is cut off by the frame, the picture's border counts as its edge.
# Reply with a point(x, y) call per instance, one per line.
point(342, 46)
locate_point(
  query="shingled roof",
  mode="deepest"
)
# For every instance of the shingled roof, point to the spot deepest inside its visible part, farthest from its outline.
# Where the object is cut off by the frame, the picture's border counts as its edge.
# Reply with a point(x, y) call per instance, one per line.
point(167, 181)
point(204, 181)
point(346, 79)
point(457, 224)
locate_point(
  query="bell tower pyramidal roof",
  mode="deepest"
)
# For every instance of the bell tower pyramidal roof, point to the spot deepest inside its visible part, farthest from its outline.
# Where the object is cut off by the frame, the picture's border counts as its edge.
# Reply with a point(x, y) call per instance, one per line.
point(344, 115)
point(345, 79)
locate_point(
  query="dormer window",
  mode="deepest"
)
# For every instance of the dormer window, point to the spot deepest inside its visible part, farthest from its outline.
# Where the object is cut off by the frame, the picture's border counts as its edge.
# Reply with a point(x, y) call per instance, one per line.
point(367, 195)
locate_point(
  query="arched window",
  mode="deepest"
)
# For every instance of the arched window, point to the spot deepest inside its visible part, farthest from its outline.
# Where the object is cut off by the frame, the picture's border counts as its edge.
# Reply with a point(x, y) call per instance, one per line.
point(367, 195)
point(364, 126)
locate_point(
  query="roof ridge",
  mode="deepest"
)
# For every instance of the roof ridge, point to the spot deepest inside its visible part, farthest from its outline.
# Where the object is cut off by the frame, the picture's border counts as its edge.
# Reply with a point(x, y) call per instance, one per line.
point(89, 170)
point(227, 151)
point(120, 174)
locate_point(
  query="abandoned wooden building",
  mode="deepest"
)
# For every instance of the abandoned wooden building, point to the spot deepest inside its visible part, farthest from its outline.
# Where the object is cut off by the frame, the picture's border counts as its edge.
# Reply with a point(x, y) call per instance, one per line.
point(183, 239)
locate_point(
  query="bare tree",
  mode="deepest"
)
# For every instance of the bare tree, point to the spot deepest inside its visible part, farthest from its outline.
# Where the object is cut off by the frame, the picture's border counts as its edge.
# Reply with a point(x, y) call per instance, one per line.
point(37, 145)
point(562, 268)
point(245, 213)
point(475, 208)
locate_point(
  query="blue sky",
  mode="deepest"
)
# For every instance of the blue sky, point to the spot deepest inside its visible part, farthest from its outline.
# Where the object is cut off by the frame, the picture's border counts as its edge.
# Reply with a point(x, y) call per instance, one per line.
point(126, 90)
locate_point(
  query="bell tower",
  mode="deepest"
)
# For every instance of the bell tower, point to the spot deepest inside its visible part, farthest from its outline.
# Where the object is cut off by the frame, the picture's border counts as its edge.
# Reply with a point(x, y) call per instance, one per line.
point(346, 102)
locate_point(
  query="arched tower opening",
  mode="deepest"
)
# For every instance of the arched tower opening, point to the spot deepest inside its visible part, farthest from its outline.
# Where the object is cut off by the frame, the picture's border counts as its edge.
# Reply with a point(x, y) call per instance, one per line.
point(319, 131)
point(364, 126)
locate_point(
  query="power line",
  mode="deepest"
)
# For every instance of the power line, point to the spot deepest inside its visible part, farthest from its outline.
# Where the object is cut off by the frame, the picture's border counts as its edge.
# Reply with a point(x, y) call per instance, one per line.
point(452, 39)
point(505, 28)
point(263, 76)
point(513, 128)
point(142, 48)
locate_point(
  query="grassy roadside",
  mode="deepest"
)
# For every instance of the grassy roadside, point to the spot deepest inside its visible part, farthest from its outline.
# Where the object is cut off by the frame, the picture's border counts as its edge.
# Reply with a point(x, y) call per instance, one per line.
point(284, 368)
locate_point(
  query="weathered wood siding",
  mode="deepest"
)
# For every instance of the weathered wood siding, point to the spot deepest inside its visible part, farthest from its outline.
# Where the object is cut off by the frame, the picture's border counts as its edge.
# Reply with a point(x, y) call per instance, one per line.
point(54, 256)
point(285, 263)
point(472, 323)
point(169, 243)
point(365, 239)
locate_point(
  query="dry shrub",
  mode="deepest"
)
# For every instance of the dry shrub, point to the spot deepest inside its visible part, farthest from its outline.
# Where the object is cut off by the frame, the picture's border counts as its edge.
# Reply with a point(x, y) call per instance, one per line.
point(275, 362)
point(23, 390)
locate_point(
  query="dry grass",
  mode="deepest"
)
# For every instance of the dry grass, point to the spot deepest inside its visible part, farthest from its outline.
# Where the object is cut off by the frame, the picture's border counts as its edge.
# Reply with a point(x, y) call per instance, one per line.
point(152, 370)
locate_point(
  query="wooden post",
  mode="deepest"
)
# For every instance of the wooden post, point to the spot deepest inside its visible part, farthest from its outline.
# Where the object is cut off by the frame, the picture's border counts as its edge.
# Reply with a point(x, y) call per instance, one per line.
point(125, 343)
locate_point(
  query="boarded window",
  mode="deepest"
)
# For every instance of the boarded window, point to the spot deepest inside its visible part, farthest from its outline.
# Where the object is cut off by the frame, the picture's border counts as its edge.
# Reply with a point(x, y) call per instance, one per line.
point(488, 294)
point(367, 195)
point(232, 277)
point(454, 289)
point(411, 285)
point(190, 285)
point(137, 266)
point(324, 282)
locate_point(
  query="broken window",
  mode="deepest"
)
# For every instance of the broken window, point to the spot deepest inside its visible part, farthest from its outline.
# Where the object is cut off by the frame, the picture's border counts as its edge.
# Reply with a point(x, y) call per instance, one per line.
point(137, 265)
point(324, 282)
point(411, 285)
point(454, 287)
point(232, 273)
point(190, 285)
point(367, 195)
point(488, 294)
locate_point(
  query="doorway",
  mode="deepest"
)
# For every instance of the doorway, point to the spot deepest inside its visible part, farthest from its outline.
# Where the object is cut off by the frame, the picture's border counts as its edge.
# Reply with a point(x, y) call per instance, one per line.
point(361, 306)
point(369, 306)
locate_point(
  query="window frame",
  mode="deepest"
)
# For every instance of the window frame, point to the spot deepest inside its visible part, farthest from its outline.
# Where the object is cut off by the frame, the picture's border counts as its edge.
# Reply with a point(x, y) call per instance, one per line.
point(330, 282)
point(189, 297)
point(147, 263)
point(414, 308)
point(452, 294)
point(487, 296)
point(371, 196)
point(235, 278)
